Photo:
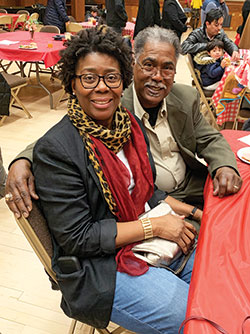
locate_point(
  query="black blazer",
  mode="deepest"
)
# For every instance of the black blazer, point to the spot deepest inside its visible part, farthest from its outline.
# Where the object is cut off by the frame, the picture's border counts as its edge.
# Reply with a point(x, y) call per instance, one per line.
point(80, 222)
point(173, 17)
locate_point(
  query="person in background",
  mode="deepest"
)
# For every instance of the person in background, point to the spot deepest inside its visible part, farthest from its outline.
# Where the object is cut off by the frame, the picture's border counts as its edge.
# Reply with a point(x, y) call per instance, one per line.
point(198, 39)
point(56, 14)
point(245, 13)
point(3, 176)
point(116, 17)
point(213, 4)
point(174, 17)
point(211, 64)
point(148, 15)
point(195, 13)
point(92, 14)
point(94, 174)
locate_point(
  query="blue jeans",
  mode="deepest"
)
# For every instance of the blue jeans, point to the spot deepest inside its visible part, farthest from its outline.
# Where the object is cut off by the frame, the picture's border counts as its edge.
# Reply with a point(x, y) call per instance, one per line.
point(152, 303)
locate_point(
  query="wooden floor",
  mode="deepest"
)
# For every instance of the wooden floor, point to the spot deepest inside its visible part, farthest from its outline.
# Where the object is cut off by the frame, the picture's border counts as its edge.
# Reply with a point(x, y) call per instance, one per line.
point(27, 303)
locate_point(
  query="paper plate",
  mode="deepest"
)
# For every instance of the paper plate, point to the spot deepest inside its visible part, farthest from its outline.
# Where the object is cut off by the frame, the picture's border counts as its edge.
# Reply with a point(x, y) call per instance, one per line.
point(27, 47)
point(244, 154)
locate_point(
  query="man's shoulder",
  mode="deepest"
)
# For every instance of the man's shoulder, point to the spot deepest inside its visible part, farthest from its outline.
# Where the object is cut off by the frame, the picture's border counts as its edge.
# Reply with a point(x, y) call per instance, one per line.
point(180, 90)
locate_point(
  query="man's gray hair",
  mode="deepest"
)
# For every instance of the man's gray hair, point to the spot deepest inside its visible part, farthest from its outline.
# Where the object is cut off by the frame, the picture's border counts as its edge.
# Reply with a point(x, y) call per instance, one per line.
point(156, 34)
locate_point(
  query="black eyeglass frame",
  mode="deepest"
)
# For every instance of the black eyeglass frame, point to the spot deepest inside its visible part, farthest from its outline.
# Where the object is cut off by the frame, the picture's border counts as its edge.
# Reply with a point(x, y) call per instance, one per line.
point(99, 79)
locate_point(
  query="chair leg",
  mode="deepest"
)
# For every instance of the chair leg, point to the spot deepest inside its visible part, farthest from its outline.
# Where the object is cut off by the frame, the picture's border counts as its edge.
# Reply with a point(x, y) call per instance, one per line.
point(16, 98)
point(2, 118)
point(72, 327)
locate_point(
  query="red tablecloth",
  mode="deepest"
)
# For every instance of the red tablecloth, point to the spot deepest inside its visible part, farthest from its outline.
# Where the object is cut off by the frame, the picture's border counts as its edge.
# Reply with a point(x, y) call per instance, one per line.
point(220, 284)
point(49, 56)
point(231, 108)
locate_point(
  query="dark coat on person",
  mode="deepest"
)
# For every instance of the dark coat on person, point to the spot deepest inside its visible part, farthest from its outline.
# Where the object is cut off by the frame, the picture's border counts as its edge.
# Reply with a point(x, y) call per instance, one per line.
point(56, 14)
point(173, 17)
point(116, 13)
point(197, 41)
point(80, 221)
point(148, 15)
point(245, 13)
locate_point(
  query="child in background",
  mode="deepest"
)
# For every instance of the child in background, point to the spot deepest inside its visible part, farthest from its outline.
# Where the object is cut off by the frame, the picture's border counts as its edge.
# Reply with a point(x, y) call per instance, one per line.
point(211, 64)
point(195, 13)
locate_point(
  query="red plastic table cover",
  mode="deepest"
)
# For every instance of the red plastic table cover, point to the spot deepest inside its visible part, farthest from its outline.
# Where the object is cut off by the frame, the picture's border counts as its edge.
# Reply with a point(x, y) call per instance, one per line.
point(220, 284)
point(49, 56)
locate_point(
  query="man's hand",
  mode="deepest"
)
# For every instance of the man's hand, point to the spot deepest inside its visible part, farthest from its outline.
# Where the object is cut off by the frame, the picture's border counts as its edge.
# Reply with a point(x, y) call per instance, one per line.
point(20, 188)
point(235, 56)
point(226, 182)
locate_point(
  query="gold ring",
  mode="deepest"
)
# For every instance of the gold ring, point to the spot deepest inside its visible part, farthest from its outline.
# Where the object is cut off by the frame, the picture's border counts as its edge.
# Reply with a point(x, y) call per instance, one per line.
point(8, 197)
point(236, 187)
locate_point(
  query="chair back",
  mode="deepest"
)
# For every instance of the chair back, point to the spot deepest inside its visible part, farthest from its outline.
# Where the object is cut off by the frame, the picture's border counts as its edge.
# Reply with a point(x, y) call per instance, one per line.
point(22, 18)
point(73, 27)
point(50, 28)
point(242, 113)
point(6, 19)
point(34, 16)
point(23, 11)
point(36, 231)
point(245, 39)
point(206, 100)
point(2, 10)
point(71, 18)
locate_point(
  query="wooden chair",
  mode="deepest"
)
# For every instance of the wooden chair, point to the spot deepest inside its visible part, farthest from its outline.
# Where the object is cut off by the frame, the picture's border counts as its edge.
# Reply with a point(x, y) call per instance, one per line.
point(36, 231)
point(205, 95)
point(6, 23)
point(15, 83)
point(73, 27)
point(34, 17)
point(22, 18)
point(242, 113)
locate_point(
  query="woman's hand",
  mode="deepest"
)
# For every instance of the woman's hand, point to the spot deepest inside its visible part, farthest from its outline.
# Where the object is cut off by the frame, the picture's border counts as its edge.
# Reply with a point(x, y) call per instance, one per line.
point(20, 184)
point(176, 229)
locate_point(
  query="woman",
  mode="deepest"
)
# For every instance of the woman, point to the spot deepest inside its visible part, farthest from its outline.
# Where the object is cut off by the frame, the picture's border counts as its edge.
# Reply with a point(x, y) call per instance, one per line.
point(56, 14)
point(245, 12)
point(94, 176)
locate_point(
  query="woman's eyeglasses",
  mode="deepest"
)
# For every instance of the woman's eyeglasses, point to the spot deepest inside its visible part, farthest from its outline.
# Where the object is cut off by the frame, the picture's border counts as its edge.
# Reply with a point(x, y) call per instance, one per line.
point(151, 69)
point(91, 80)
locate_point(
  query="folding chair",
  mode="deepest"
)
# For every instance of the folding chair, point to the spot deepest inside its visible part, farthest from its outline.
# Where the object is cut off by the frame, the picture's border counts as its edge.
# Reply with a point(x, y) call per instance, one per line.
point(205, 95)
point(34, 17)
point(36, 231)
point(15, 83)
point(245, 40)
point(22, 18)
point(242, 113)
point(6, 23)
point(73, 27)
point(2, 10)
point(23, 11)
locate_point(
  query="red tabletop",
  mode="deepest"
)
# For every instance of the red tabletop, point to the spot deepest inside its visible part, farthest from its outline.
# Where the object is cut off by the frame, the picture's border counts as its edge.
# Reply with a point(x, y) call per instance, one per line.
point(49, 56)
point(220, 284)
point(231, 108)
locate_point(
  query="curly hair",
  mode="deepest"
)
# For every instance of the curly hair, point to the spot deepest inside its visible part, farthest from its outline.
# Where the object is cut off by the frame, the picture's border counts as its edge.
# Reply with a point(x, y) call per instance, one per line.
point(98, 39)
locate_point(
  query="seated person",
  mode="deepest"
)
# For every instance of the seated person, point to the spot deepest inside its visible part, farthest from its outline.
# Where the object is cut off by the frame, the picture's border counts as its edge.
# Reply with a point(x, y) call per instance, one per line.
point(211, 64)
point(94, 175)
point(198, 39)
point(93, 14)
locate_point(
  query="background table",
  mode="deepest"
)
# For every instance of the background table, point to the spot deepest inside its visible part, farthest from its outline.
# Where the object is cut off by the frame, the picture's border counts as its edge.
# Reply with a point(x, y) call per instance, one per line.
point(14, 17)
point(220, 284)
point(49, 56)
point(231, 108)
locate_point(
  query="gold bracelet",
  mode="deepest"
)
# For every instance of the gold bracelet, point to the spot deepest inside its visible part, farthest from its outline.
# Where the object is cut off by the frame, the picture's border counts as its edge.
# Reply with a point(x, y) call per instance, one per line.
point(147, 228)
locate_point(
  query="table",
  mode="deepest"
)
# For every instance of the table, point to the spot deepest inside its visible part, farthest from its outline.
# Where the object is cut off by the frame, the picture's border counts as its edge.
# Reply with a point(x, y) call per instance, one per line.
point(220, 284)
point(127, 30)
point(49, 56)
point(231, 108)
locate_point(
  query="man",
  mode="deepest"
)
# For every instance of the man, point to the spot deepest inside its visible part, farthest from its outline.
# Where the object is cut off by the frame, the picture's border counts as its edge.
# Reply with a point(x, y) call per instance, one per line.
point(177, 130)
point(174, 17)
point(210, 4)
point(198, 39)
point(116, 15)
point(148, 15)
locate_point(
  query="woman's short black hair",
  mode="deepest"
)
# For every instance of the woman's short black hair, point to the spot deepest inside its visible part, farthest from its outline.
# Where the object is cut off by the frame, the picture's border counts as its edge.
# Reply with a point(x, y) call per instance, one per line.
point(98, 39)
point(215, 42)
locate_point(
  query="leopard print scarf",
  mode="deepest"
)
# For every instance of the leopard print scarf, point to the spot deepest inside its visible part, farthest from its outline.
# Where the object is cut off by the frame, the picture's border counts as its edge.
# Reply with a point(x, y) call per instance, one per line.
point(113, 139)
